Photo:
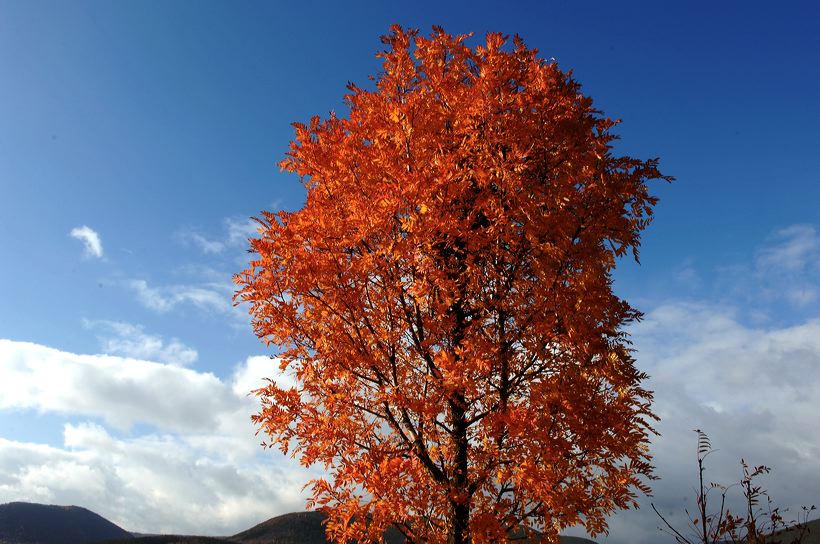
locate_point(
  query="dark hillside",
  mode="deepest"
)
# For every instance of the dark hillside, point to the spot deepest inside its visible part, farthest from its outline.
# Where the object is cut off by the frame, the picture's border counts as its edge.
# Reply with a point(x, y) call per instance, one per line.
point(297, 528)
point(286, 529)
point(307, 528)
point(28, 523)
point(172, 539)
point(812, 537)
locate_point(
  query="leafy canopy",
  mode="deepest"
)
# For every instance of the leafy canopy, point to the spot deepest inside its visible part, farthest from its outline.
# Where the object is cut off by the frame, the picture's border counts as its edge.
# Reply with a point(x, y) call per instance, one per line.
point(443, 301)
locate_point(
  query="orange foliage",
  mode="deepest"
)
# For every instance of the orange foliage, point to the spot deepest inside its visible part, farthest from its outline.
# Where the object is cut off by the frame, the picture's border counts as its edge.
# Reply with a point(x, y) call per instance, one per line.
point(444, 301)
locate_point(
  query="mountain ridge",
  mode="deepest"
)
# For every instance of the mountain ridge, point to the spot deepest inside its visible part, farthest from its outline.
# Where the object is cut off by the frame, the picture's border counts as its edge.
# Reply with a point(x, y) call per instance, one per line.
point(33, 523)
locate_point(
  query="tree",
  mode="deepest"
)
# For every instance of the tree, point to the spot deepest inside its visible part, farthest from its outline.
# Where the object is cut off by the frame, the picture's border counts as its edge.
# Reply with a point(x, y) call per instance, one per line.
point(443, 301)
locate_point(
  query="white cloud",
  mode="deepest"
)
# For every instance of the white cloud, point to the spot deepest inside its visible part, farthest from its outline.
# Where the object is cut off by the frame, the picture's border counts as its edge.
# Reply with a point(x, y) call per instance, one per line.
point(199, 469)
point(151, 483)
point(754, 390)
point(212, 288)
point(789, 265)
point(118, 338)
point(252, 375)
point(91, 240)
point(794, 248)
point(119, 390)
point(240, 230)
point(687, 274)
point(164, 299)
point(206, 245)
point(236, 232)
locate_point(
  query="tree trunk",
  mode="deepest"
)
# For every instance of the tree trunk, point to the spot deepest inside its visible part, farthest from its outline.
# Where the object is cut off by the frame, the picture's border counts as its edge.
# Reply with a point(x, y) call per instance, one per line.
point(458, 531)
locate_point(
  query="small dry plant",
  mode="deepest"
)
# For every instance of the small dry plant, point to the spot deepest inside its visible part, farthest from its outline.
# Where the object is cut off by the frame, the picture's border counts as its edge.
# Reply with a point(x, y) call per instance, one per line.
point(759, 524)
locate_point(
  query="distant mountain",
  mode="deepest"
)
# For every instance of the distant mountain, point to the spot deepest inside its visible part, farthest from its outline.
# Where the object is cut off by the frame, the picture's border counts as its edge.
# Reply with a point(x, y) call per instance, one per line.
point(29, 523)
point(287, 529)
point(172, 539)
point(297, 528)
point(307, 528)
point(290, 528)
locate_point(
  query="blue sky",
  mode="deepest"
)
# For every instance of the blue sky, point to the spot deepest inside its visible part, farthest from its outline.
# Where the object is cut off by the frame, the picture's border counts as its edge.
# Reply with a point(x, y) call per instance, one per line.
point(157, 126)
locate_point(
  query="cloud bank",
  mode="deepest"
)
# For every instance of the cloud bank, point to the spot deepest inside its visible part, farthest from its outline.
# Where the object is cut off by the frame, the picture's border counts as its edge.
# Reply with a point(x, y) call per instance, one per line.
point(150, 483)
point(127, 340)
point(754, 390)
point(155, 447)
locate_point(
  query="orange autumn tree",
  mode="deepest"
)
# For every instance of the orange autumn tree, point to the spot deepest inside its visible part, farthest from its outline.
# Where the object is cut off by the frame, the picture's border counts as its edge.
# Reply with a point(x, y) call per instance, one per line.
point(443, 301)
